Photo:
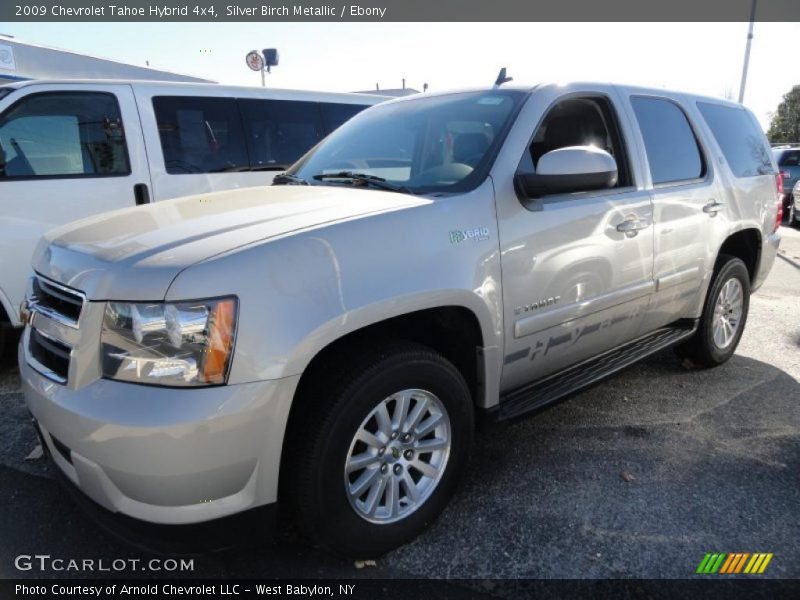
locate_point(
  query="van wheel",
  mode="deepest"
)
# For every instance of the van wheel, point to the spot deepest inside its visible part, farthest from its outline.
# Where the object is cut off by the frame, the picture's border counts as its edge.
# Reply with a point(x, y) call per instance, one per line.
point(724, 315)
point(379, 449)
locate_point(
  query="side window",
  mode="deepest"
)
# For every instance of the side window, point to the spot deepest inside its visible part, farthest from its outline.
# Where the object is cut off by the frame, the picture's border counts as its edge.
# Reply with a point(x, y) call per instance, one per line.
point(336, 114)
point(279, 132)
point(63, 134)
point(200, 135)
point(580, 122)
point(672, 149)
point(744, 146)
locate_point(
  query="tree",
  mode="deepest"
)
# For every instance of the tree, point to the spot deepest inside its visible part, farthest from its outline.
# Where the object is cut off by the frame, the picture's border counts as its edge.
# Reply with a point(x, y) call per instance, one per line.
point(785, 125)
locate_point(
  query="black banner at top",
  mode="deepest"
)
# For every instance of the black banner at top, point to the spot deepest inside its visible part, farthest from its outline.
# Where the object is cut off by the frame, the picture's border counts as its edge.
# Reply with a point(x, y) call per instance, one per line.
point(397, 10)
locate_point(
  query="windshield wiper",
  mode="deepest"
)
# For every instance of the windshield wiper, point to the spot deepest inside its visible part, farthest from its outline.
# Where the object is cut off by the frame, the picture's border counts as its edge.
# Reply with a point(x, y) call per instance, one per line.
point(287, 179)
point(365, 179)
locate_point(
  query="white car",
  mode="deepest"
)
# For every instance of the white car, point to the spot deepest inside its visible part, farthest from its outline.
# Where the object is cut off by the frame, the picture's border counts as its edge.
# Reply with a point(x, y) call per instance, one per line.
point(71, 149)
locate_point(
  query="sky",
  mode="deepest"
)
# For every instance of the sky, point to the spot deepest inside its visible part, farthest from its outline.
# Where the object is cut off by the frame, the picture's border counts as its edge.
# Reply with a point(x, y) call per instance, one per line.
point(703, 58)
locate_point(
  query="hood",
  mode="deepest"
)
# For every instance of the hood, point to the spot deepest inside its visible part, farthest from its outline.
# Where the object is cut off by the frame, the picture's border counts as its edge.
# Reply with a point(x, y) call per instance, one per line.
point(134, 254)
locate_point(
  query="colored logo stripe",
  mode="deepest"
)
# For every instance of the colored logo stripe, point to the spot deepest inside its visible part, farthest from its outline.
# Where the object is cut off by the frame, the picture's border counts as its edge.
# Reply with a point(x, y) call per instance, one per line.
point(734, 562)
point(758, 563)
point(711, 563)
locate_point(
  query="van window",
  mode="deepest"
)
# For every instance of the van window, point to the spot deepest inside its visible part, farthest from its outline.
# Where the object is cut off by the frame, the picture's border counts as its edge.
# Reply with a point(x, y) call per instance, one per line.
point(672, 149)
point(743, 145)
point(336, 114)
point(63, 134)
point(200, 135)
point(280, 131)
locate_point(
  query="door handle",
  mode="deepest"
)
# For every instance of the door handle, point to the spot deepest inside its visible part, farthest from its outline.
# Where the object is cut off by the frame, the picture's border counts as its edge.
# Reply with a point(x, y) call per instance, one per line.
point(141, 194)
point(713, 207)
point(631, 227)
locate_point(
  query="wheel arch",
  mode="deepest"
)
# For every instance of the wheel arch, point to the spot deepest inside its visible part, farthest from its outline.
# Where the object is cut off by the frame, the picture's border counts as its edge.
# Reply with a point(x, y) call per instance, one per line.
point(745, 244)
point(452, 330)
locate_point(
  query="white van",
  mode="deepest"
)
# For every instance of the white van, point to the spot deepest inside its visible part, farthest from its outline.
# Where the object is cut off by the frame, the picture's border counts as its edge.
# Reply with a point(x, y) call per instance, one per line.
point(70, 149)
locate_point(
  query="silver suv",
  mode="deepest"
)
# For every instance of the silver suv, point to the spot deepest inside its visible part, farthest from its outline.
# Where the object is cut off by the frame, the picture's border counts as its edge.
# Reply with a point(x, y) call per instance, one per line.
point(326, 344)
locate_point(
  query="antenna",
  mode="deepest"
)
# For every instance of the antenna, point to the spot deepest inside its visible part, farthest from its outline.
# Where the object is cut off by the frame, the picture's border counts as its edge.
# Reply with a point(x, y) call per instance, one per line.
point(501, 78)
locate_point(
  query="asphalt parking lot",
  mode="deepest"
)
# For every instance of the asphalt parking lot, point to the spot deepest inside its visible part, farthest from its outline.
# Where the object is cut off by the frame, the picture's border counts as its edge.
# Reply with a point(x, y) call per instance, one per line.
point(637, 477)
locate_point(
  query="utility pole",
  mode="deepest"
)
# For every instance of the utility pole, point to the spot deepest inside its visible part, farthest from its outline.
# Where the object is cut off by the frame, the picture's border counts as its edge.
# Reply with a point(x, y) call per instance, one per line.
point(747, 52)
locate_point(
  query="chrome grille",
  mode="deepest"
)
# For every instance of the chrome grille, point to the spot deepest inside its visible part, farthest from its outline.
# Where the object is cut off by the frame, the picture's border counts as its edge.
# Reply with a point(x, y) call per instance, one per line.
point(52, 301)
point(56, 301)
point(49, 356)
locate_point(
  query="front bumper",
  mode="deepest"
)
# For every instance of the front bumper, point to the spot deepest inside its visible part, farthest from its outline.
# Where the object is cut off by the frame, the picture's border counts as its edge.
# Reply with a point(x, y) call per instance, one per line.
point(164, 455)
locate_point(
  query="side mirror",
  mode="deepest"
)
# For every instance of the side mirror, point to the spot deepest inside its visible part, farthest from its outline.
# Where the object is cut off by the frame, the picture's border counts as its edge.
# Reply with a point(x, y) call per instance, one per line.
point(570, 169)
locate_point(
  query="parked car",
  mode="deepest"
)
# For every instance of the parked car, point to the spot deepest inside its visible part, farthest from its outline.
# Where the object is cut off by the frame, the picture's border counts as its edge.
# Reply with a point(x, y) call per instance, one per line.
point(70, 149)
point(794, 218)
point(326, 344)
point(788, 159)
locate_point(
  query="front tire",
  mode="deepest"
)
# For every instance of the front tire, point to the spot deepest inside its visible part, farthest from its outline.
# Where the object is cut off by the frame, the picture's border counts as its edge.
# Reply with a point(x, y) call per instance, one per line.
point(379, 449)
point(724, 315)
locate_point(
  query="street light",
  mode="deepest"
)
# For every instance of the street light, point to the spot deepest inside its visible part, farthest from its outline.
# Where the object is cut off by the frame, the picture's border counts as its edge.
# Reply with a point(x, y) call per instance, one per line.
point(747, 52)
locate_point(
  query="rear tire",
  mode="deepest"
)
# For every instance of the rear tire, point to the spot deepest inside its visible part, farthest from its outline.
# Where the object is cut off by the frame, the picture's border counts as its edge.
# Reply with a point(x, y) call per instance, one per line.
point(724, 315)
point(407, 480)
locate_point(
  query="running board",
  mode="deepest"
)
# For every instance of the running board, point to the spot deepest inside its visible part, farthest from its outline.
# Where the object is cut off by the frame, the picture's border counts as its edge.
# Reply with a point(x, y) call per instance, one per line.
point(539, 394)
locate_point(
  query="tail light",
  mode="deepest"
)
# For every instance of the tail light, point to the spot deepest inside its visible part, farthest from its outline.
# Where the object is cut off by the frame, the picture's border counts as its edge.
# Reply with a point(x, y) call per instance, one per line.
point(786, 174)
point(779, 183)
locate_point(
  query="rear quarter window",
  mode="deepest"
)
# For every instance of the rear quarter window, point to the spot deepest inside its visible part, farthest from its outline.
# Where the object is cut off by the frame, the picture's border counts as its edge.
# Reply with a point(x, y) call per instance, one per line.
point(742, 142)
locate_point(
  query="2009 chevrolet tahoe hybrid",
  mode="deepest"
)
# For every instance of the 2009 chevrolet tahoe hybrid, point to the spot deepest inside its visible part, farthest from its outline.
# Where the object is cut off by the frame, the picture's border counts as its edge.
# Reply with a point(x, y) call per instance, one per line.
point(325, 344)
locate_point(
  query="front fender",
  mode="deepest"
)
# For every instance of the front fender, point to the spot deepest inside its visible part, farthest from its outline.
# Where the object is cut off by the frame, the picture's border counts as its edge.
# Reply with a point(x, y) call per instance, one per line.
point(299, 293)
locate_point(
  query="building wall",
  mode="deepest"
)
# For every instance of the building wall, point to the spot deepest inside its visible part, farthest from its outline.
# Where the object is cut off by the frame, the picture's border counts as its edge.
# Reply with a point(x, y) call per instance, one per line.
point(19, 60)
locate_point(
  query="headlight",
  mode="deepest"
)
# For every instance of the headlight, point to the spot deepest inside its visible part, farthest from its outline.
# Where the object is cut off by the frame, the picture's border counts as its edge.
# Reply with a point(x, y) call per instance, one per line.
point(169, 343)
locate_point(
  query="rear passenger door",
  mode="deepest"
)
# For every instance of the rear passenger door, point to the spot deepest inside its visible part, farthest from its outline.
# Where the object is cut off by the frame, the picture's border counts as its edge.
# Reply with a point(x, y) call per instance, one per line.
point(687, 207)
point(66, 152)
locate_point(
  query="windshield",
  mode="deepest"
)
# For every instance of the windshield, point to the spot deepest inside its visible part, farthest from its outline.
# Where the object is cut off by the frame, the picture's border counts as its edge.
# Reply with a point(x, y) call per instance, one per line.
point(426, 145)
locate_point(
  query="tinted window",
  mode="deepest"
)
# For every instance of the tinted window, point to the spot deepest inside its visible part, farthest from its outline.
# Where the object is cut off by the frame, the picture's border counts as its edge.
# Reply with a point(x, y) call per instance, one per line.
point(280, 131)
point(742, 143)
point(63, 134)
point(200, 135)
point(427, 144)
point(672, 150)
point(336, 114)
point(787, 158)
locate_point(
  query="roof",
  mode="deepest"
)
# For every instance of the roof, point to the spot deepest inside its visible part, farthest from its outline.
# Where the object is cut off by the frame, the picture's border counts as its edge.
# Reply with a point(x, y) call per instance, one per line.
point(29, 65)
point(232, 90)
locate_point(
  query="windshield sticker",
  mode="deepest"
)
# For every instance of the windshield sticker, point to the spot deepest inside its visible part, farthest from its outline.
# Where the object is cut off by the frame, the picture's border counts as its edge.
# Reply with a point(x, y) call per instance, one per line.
point(476, 234)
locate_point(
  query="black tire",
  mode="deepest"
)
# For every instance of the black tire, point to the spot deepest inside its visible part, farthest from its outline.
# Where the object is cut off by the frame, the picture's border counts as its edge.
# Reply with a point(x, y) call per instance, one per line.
point(319, 440)
point(701, 349)
point(789, 215)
